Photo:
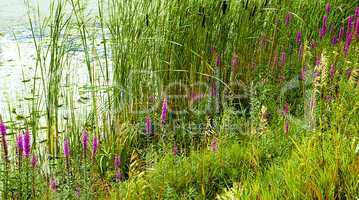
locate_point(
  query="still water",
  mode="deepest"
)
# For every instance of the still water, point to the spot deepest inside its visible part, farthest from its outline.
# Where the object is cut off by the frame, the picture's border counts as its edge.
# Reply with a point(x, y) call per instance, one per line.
point(17, 60)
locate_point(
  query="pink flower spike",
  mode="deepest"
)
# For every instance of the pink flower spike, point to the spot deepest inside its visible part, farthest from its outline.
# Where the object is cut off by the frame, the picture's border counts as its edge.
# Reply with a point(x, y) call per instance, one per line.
point(53, 184)
point(34, 161)
point(66, 148)
point(94, 147)
point(164, 111)
point(327, 8)
point(26, 144)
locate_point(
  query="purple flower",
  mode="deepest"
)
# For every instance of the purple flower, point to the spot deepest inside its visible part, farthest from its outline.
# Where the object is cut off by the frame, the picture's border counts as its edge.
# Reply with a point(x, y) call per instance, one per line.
point(94, 147)
point(283, 57)
point(33, 161)
point(118, 176)
point(148, 128)
point(287, 19)
point(302, 74)
point(286, 109)
point(317, 61)
point(357, 12)
point(3, 140)
point(348, 41)
point(327, 8)
point(350, 23)
point(174, 150)
point(298, 38)
point(214, 144)
point(323, 30)
point(19, 144)
point(2, 129)
point(164, 110)
point(85, 138)
point(357, 27)
point(26, 144)
point(334, 40)
point(53, 184)
point(341, 33)
point(66, 148)
point(117, 162)
point(332, 71)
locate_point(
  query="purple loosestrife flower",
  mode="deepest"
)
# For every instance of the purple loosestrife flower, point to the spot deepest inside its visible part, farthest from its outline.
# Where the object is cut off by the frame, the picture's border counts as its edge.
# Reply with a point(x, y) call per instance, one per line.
point(302, 74)
point(53, 184)
point(332, 71)
point(118, 176)
point(3, 140)
point(348, 41)
point(2, 128)
point(117, 162)
point(341, 33)
point(317, 61)
point(288, 19)
point(357, 27)
point(350, 23)
point(283, 58)
point(298, 38)
point(164, 110)
point(66, 148)
point(334, 40)
point(19, 142)
point(327, 8)
point(286, 109)
point(85, 139)
point(33, 161)
point(323, 30)
point(214, 144)
point(26, 144)
point(148, 129)
point(357, 12)
point(174, 150)
point(94, 147)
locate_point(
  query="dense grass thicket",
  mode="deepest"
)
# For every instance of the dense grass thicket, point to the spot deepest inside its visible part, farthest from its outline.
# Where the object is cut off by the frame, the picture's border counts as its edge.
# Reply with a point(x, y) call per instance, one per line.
point(188, 99)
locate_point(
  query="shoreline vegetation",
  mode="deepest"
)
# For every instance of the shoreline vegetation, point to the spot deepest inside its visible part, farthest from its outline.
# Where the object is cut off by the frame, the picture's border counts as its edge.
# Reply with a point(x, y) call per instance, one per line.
point(190, 99)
